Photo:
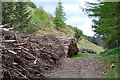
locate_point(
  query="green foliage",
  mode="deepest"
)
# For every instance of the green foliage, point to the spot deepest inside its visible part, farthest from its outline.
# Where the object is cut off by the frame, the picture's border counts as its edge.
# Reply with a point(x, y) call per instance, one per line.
point(112, 73)
point(22, 16)
point(0, 12)
point(59, 16)
point(39, 15)
point(7, 12)
point(109, 57)
point(96, 40)
point(33, 27)
point(79, 55)
point(114, 51)
point(16, 13)
point(78, 33)
point(106, 21)
point(32, 5)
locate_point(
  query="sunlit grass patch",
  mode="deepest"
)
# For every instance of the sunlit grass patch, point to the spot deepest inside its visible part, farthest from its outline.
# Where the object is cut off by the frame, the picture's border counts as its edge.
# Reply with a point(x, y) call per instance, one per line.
point(83, 55)
point(108, 58)
point(112, 73)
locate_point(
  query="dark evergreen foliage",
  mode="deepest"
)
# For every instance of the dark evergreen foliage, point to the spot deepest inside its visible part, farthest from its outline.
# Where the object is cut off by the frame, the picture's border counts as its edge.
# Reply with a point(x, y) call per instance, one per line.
point(106, 19)
point(59, 16)
point(16, 13)
point(78, 33)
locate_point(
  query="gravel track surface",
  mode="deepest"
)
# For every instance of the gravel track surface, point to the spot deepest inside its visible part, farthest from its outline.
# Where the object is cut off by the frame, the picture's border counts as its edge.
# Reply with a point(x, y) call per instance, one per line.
point(87, 67)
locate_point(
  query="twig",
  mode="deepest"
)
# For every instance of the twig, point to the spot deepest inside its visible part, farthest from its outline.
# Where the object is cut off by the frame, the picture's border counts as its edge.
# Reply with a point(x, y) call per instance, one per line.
point(12, 51)
point(22, 75)
point(1, 26)
point(9, 41)
point(23, 68)
point(20, 44)
point(24, 48)
point(29, 54)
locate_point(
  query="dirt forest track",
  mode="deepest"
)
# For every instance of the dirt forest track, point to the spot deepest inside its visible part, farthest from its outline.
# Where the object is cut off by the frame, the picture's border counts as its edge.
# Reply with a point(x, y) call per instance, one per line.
point(25, 56)
point(87, 67)
point(29, 57)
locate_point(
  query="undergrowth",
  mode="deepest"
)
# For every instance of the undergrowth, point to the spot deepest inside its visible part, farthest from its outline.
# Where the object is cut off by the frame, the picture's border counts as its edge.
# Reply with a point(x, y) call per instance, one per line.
point(108, 58)
point(79, 55)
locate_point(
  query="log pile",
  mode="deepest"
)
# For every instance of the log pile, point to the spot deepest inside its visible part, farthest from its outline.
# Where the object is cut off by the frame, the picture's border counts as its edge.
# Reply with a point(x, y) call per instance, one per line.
point(25, 56)
point(83, 50)
point(70, 46)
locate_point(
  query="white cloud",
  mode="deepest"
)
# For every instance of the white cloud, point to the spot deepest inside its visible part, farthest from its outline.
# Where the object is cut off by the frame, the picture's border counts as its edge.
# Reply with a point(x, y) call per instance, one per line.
point(55, 0)
point(50, 8)
point(74, 14)
point(76, 20)
point(86, 27)
point(71, 7)
point(87, 30)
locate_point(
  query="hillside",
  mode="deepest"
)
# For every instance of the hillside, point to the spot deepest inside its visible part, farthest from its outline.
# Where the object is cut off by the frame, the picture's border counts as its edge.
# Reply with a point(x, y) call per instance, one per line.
point(65, 32)
point(47, 27)
point(36, 44)
point(46, 24)
point(84, 43)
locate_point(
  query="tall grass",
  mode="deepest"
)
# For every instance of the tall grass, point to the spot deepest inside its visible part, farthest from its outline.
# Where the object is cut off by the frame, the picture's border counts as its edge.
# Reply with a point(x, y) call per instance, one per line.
point(110, 57)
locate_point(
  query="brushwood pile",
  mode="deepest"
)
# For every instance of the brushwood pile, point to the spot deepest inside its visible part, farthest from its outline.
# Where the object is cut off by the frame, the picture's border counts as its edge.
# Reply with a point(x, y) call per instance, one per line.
point(26, 56)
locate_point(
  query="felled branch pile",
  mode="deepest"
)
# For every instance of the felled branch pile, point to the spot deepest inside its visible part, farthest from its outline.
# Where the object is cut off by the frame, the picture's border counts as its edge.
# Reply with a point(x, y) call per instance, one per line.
point(83, 50)
point(70, 46)
point(28, 57)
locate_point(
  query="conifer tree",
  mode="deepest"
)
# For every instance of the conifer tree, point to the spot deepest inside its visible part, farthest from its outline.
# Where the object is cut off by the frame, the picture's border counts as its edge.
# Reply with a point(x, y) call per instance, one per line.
point(16, 13)
point(59, 16)
point(78, 33)
point(106, 21)
point(22, 16)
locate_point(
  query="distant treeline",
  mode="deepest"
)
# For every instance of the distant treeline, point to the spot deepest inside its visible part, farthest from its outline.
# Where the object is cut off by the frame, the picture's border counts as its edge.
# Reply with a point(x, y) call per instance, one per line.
point(96, 40)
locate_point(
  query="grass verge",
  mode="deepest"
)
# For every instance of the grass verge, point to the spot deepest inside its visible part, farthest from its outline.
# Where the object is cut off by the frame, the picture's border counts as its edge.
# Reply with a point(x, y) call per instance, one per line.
point(110, 58)
point(79, 55)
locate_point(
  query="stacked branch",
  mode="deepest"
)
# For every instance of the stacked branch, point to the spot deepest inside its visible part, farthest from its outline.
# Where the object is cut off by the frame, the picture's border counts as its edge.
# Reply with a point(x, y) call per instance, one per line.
point(28, 57)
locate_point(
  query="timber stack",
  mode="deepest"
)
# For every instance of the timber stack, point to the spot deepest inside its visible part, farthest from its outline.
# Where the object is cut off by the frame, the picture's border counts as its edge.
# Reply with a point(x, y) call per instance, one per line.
point(25, 56)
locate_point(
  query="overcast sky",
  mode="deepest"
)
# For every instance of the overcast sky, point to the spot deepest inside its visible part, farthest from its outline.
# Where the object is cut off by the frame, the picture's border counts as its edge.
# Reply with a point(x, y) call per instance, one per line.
point(74, 14)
